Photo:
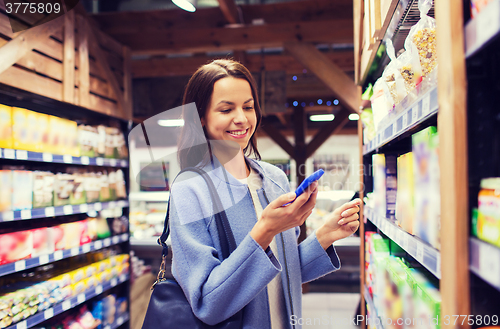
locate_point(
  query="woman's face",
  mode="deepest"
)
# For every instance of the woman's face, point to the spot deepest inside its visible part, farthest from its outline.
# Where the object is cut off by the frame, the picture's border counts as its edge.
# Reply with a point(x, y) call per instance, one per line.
point(231, 113)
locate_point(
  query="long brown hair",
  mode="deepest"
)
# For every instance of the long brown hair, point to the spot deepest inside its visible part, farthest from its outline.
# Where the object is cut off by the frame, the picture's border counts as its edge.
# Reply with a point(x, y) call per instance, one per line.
point(199, 91)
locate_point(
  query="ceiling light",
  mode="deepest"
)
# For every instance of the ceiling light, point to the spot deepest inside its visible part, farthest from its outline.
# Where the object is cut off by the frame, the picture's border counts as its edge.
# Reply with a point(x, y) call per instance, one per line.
point(322, 117)
point(171, 123)
point(187, 5)
point(335, 102)
point(354, 117)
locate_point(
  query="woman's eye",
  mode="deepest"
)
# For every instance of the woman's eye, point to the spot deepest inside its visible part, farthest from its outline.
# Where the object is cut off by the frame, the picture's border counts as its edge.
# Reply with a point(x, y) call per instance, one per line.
point(249, 108)
point(226, 111)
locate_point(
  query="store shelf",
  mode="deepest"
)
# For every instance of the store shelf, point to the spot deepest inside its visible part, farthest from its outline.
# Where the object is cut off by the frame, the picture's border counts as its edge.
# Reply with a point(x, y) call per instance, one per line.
point(119, 321)
point(412, 115)
point(483, 28)
point(152, 241)
point(149, 196)
point(69, 304)
point(60, 211)
point(23, 264)
point(369, 301)
point(56, 158)
point(352, 241)
point(485, 261)
point(426, 255)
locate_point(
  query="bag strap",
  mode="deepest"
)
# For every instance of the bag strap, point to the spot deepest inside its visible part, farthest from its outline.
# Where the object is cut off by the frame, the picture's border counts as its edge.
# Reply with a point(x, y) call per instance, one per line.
point(226, 237)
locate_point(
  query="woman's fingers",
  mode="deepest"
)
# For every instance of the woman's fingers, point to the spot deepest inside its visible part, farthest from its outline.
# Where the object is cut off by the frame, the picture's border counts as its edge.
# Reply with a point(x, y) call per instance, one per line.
point(349, 205)
point(349, 212)
point(347, 220)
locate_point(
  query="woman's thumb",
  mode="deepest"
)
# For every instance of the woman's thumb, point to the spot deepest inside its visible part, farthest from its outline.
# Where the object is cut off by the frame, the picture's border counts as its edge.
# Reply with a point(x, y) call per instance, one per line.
point(285, 199)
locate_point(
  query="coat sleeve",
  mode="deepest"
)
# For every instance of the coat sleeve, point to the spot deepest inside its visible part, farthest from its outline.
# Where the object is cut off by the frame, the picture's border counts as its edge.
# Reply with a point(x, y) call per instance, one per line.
point(315, 262)
point(215, 289)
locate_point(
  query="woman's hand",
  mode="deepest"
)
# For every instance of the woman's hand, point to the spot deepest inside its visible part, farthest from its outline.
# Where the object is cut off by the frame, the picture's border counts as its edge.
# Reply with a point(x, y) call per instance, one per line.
point(277, 218)
point(341, 223)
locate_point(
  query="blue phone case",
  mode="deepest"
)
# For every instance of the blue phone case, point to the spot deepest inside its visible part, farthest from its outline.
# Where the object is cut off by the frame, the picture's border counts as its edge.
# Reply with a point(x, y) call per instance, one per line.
point(308, 181)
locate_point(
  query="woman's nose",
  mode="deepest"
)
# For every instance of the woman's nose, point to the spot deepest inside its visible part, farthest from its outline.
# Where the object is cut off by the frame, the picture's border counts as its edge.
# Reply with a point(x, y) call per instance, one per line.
point(240, 116)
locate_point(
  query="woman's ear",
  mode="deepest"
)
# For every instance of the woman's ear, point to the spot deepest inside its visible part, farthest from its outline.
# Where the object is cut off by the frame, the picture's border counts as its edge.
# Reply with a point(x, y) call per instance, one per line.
point(202, 120)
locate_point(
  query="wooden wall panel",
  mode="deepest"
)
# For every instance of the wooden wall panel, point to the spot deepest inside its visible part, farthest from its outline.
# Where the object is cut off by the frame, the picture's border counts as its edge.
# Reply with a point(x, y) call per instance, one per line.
point(22, 79)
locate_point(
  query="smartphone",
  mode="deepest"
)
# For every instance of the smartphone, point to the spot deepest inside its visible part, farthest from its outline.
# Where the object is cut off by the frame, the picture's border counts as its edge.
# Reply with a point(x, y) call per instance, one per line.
point(307, 182)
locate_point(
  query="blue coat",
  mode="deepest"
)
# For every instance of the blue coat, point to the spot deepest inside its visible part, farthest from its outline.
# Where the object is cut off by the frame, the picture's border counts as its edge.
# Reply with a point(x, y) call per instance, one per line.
point(216, 290)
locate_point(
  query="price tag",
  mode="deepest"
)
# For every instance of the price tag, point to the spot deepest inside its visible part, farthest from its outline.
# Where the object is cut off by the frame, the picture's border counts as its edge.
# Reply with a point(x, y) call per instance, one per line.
point(420, 252)
point(98, 244)
point(98, 206)
point(9, 154)
point(123, 163)
point(68, 209)
point(119, 322)
point(112, 162)
point(124, 237)
point(116, 239)
point(8, 216)
point(50, 212)
point(489, 266)
point(107, 242)
point(85, 160)
point(21, 155)
point(47, 157)
point(75, 251)
point(26, 214)
point(414, 114)
point(114, 282)
point(394, 129)
point(66, 305)
point(98, 290)
point(43, 259)
point(405, 120)
point(67, 158)
point(99, 161)
point(21, 325)
point(81, 298)
point(20, 265)
point(426, 105)
point(84, 208)
point(86, 248)
point(112, 205)
point(123, 278)
point(58, 255)
point(48, 313)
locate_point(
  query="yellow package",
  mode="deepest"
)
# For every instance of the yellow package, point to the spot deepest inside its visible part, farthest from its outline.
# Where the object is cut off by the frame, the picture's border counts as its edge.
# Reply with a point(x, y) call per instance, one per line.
point(101, 266)
point(113, 261)
point(62, 280)
point(90, 282)
point(20, 128)
point(70, 138)
point(33, 131)
point(78, 288)
point(90, 270)
point(42, 142)
point(77, 275)
point(54, 144)
point(101, 277)
point(108, 274)
point(5, 126)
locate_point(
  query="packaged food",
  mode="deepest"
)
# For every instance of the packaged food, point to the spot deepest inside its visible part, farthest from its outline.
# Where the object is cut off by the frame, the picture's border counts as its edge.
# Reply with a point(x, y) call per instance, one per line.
point(92, 186)
point(87, 138)
point(43, 242)
point(476, 6)
point(368, 124)
point(405, 196)
point(422, 38)
point(101, 140)
point(78, 195)
point(488, 217)
point(58, 236)
point(409, 67)
point(393, 78)
point(5, 126)
point(5, 190)
point(43, 189)
point(22, 192)
point(105, 191)
point(15, 246)
point(43, 127)
point(381, 103)
point(20, 128)
point(63, 188)
point(72, 234)
point(120, 188)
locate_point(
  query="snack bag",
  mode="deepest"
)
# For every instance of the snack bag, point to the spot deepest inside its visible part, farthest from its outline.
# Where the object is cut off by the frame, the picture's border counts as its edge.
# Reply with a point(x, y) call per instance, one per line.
point(393, 79)
point(411, 71)
point(381, 103)
point(422, 38)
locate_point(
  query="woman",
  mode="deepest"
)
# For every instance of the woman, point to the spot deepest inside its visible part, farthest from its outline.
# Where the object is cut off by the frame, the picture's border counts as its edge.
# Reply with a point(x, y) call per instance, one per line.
point(263, 275)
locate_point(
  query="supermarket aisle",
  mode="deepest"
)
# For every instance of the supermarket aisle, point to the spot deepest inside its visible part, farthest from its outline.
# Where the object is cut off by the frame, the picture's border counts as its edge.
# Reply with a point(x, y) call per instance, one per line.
point(329, 310)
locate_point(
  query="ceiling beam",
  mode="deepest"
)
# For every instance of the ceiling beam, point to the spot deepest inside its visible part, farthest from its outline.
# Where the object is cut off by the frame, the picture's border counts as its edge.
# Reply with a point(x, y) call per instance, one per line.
point(277, 137)
point(184, 66)
point(329, 73)
point(136, 22)
point(246, 37)
point(230, 11)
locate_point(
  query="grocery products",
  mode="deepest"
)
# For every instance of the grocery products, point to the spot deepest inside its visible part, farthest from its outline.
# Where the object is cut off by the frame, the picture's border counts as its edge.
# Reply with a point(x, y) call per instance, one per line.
point(385, 183)
point(15, 246)
point(427, 222)
point(488, 216)
point(422, 38)
point(405, 206)
point(5, 126)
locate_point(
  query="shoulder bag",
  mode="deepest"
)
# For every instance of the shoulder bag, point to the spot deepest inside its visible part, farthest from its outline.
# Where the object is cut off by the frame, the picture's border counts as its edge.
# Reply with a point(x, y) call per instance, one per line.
point(168, 307)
